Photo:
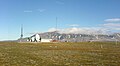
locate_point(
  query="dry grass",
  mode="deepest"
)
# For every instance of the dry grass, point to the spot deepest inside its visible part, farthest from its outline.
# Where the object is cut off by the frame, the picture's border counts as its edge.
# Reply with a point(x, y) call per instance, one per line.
point(60, 54)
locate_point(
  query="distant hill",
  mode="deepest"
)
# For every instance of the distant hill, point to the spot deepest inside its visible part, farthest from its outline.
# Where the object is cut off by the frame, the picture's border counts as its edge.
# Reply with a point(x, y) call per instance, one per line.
point(76, 37)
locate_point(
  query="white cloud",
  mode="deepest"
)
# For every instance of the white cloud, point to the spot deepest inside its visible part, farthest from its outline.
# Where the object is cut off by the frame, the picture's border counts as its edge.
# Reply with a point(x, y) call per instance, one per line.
point(28, 11)
point(112, 25)
point(52, 30)
point(59, 2)
point(103, 29)
point(41, 10)
point(74, 25)
point(117, 29)
point(113, 20)
point(83, 30)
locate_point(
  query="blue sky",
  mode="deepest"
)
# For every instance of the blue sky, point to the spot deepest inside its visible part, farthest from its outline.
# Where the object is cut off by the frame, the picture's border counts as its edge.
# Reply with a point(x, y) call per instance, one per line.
point(40, 16)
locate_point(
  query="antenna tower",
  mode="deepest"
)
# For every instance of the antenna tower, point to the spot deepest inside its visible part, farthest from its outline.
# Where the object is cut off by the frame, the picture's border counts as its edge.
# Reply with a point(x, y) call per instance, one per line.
point(56, 24)
point(21, 36)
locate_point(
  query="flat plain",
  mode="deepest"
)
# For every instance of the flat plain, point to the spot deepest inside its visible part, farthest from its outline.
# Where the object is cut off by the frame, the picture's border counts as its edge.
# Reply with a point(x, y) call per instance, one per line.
point(60, 54)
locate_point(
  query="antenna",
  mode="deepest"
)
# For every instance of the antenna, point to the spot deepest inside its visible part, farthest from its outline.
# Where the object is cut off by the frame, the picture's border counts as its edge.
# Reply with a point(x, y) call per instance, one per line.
point(56, 24)
point(21, 36)
point(55, 30)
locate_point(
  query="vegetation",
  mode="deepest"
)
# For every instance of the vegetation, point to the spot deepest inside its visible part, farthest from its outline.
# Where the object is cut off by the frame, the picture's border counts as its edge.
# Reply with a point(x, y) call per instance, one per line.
point(60, 54)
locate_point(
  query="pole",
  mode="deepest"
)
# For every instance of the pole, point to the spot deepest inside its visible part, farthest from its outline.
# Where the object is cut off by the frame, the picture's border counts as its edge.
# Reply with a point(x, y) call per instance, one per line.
point(56, 24)
point(21, 31)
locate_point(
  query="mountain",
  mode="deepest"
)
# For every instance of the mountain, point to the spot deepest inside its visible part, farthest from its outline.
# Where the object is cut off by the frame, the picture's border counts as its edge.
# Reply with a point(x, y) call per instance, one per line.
point(75, 37)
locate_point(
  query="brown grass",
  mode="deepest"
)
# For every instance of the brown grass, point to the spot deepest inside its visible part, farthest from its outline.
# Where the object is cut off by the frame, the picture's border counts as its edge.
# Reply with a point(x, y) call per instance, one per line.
point(60, 54)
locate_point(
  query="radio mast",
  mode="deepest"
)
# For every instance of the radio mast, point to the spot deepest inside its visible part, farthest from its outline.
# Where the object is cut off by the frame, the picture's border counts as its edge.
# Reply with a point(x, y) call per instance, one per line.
point(21, 36)
point(56, 24)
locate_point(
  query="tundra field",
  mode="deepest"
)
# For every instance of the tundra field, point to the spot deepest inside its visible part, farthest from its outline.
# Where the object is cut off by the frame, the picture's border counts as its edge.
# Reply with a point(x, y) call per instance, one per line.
point(60, 54)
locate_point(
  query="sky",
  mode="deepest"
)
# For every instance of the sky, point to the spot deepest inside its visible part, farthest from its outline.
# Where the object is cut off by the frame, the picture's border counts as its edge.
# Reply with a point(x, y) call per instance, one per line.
point(73, 16)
